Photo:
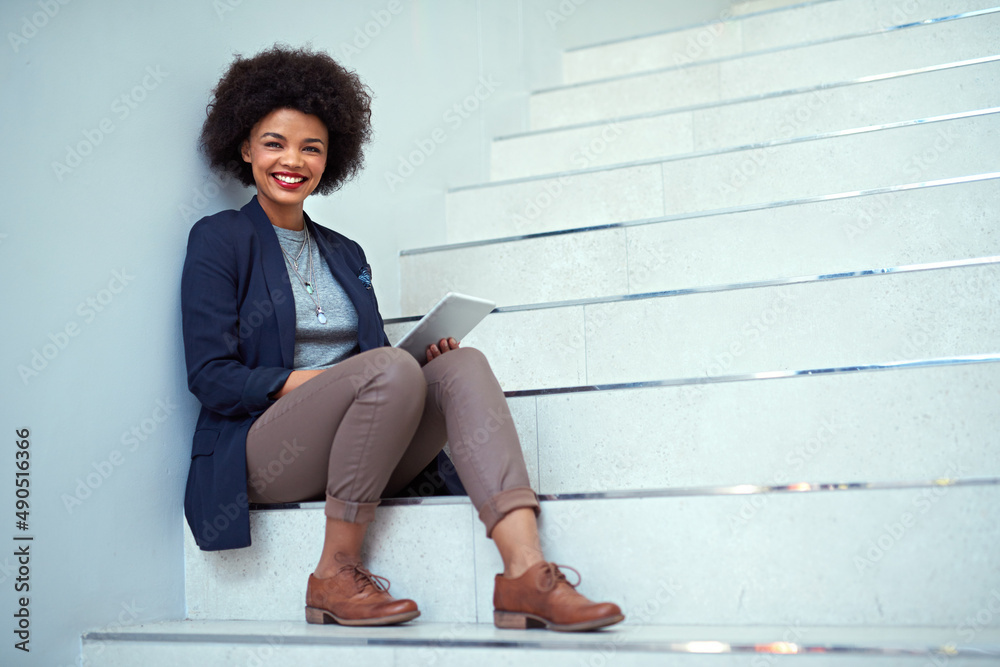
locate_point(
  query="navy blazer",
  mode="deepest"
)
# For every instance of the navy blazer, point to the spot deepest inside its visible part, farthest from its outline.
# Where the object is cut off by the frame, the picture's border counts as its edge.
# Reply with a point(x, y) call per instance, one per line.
point(239, 343)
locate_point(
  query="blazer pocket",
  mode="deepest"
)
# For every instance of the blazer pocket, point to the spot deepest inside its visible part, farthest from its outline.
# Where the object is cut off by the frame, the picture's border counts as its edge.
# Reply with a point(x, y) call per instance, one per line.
point(365, 276)
point(204, 442)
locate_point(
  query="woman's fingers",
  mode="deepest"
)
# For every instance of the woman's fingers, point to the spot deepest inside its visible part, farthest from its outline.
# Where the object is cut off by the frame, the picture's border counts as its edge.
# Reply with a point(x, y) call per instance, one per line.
point(442, 346)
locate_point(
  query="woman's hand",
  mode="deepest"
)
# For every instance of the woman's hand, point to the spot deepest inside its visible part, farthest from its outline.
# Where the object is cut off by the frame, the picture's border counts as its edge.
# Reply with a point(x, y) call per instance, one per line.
point(443, 345)
point(295, 380)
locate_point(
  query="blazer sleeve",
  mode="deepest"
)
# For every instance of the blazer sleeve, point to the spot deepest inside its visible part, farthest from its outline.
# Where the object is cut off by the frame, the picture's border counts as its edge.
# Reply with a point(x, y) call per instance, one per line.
point(210, 286)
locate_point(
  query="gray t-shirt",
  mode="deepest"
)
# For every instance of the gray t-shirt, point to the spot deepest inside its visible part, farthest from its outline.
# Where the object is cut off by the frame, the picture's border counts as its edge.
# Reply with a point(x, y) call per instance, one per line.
point(318, 345)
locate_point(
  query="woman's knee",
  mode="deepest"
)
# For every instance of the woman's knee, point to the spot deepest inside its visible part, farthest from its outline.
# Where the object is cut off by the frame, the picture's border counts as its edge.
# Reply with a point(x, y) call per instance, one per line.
point(473, 354)
point(469, 366)
point(467, 358)
point(397, 370)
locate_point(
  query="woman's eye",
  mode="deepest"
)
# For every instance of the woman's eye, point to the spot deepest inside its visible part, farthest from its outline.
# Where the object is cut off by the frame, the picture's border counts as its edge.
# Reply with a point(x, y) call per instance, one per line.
point(273, 144)
point(313, 149)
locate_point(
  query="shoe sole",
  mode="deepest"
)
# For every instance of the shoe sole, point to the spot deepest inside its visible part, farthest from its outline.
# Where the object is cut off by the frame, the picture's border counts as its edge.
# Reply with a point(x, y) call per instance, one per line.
point(515, 620)
point(325, 617)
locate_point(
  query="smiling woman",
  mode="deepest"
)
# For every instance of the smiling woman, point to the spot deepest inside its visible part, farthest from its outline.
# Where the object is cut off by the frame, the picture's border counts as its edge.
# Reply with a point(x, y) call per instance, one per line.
point(302, 397)
point(282, 78)
point(286, 151)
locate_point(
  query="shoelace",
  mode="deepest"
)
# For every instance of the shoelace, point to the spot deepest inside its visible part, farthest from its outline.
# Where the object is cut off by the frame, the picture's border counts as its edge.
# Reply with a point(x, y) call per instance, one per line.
point(362, 575)
point(552, 575)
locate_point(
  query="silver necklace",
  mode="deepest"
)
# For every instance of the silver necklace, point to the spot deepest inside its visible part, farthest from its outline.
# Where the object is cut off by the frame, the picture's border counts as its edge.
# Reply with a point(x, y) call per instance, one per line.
point(310, 271)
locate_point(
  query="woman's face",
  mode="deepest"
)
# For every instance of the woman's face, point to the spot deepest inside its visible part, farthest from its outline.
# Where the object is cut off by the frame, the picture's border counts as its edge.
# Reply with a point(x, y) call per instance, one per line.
point(287, 152)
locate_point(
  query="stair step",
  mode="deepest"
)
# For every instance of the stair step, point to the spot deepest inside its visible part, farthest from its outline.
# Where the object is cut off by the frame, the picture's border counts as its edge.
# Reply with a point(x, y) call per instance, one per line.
point(826, 323)
point(749, 177)
point(746, 7)
point(975, 86)
point(914, 423)
point(890, 229)
point(742, 34)
point(291, 644)
point(756, 75)
point(808, 557)
point(431, 543)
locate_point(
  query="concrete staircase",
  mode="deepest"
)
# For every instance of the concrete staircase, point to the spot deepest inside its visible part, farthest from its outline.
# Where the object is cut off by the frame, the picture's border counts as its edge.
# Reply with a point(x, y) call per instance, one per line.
point(749, 278)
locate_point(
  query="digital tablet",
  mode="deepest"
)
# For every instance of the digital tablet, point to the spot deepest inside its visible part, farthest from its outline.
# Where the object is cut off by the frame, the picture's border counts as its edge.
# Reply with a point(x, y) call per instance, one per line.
point(453, 316)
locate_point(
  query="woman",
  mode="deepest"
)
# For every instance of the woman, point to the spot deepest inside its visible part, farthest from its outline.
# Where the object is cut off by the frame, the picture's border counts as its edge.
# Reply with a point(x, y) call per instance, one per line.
point(301, 395)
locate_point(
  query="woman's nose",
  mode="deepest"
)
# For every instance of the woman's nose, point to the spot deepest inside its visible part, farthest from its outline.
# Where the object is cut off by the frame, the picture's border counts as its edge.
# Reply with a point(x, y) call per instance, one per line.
point(291, 158)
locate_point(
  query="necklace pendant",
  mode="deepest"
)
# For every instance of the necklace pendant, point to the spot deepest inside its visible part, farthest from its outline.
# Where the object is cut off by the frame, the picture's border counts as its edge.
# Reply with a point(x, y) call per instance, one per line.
point(320, 315)
point(309, 288)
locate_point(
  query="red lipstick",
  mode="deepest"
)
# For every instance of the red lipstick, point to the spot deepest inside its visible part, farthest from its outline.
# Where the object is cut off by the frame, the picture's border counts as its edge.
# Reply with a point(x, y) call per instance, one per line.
point(292, 180)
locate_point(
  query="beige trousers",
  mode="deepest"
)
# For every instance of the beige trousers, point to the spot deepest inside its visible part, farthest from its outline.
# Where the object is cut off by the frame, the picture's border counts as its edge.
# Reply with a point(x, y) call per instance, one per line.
point(364, 428)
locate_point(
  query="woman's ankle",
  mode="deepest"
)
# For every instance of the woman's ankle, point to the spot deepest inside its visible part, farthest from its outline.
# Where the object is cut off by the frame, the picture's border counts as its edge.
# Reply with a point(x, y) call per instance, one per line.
point(330, 563)
point(516, 569)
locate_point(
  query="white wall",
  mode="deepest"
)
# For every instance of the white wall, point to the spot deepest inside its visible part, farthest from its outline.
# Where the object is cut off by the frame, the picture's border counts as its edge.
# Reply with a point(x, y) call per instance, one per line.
point(110, 229)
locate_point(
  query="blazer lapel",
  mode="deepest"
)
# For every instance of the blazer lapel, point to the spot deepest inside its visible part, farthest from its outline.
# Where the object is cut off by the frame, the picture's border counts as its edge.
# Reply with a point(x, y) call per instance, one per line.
point(276, 277)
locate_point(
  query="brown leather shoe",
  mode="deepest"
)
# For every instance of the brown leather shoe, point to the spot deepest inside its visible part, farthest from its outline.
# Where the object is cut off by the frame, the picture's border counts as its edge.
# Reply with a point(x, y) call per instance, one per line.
point(542, 597)
point(355, 596)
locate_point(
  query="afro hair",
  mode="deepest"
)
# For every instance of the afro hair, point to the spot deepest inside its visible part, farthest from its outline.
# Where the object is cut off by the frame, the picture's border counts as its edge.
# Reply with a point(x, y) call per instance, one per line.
point(282, 77)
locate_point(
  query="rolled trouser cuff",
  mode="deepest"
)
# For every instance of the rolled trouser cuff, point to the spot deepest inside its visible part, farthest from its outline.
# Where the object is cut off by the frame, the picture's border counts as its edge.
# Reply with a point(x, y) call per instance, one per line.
point(349, 511)
point(505, 502)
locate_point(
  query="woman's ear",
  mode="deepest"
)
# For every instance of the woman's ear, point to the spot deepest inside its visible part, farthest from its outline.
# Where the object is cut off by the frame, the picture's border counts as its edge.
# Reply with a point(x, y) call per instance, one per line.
point(245, 150)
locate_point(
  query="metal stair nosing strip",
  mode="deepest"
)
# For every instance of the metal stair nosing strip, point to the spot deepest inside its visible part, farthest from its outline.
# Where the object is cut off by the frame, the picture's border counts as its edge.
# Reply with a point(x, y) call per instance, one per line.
point(693, 26)
point(676, 492)
point(911, 364)
point(777, 49)
point(628, 639)
point(758, 98)
point(730, 287)
point(957, 180)
point(869, 129)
